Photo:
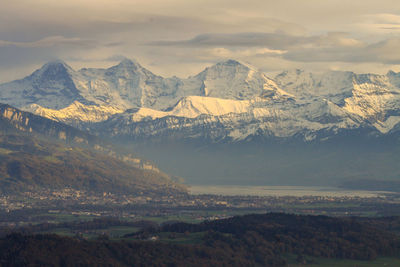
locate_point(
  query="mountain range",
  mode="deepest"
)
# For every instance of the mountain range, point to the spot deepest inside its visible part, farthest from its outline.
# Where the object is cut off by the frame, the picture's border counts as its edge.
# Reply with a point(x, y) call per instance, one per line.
point(230, 101)
point(265, 128)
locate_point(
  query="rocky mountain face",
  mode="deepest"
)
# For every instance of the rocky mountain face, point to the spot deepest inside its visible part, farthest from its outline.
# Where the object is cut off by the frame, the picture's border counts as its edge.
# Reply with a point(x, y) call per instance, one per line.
point(22, 121)
point(230, 101)
point(41, 154)
point(16, 121)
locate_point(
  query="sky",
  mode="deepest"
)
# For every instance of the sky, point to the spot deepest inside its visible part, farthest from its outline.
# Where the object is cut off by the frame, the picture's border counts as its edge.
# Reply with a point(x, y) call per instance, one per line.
point(181, 37)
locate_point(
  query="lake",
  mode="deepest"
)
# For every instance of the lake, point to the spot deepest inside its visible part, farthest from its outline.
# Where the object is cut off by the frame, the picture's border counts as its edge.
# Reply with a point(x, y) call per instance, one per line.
point(298, 191)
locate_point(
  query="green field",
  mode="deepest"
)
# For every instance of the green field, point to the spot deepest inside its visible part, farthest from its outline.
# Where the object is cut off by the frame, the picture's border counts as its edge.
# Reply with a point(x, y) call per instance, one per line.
point(62, 217)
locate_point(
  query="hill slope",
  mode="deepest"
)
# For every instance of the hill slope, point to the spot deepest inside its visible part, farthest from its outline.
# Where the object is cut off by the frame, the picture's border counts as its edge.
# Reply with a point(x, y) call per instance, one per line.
point(37, 153)
point(251, 240)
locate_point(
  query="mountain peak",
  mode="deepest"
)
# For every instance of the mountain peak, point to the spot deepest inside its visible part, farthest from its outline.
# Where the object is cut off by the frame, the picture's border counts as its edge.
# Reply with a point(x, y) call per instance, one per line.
point(126, 62)
point(57, 63)
point(234, 62)
point(54, 69)
point(230, 67)
point(230, 62)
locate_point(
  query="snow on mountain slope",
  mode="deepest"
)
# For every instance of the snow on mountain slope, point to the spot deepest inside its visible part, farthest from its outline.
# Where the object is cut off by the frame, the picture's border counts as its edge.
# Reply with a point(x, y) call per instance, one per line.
point(231, 80)
point(127, 85)
point(192, 107)
point(373, 97)
point(51, 86)
point(230, 99)
point(76, 113)
point(218, 119)
point(333, 85)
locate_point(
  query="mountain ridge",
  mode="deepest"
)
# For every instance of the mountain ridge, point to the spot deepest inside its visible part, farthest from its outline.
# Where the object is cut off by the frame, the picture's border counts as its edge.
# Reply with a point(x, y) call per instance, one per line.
point(41, 154)
point(292, 103)
point(16, 120)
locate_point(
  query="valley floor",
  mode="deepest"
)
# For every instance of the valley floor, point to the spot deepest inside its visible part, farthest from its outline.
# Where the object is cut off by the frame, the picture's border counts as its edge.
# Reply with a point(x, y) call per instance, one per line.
point(192, 223)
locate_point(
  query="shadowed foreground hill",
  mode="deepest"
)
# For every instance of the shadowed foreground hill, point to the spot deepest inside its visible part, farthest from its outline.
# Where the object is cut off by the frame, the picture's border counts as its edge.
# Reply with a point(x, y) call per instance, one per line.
point(37, 153)
point(251, 240)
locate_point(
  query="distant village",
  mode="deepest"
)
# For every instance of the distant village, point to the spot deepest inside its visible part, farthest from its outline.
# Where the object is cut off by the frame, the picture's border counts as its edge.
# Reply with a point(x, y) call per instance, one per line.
point(198, 207)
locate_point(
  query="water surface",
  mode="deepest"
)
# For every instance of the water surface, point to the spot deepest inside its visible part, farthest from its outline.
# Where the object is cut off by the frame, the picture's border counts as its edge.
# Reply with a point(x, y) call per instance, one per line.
point(298, 191)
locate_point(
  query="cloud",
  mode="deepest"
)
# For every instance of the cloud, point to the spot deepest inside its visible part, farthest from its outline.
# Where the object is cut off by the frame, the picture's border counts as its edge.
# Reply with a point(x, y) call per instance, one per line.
point(378, 25)
point(332, 47)
point(384, 18)
point(180, 37)
point(247, 39)
point(26, 56)
point(50, 41)
point(275, 41)
point(384, 52)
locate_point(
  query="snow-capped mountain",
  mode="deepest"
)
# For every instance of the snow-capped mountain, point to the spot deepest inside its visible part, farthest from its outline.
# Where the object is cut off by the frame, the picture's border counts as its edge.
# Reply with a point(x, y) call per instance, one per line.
point(51, 86)
point(230, 101)
point(374, 98)
point(76, 113)
point(218, 119)
point(231, 80)
point(127, 85)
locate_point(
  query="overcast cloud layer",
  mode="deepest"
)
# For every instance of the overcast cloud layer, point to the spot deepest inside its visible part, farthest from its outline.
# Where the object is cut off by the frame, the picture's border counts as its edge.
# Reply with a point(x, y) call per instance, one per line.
point(180, 37)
